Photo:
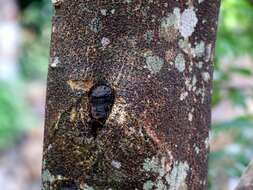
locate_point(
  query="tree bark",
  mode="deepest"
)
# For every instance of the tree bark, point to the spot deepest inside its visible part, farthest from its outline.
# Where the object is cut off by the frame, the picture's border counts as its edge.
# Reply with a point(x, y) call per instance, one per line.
point(129, 93)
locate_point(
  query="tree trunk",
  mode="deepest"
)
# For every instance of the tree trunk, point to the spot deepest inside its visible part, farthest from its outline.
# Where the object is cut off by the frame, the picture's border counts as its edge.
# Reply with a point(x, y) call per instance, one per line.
point(129, 93)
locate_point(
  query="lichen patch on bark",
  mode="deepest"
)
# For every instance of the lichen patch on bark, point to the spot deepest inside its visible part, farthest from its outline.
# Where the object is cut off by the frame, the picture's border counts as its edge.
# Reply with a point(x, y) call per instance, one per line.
point(188, 22)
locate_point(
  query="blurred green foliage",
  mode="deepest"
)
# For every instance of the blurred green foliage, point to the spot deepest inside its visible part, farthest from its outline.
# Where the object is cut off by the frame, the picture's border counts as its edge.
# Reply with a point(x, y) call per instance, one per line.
point(14, 115)
point(36, 24)
point(15, 110)
point(235, 38)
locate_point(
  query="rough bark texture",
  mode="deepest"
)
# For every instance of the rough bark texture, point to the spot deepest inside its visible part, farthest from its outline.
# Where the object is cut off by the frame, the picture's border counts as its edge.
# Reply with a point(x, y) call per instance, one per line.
point(156, 56)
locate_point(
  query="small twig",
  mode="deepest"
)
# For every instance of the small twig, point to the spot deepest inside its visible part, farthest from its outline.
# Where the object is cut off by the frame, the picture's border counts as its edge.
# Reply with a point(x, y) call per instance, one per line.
point(246, 181)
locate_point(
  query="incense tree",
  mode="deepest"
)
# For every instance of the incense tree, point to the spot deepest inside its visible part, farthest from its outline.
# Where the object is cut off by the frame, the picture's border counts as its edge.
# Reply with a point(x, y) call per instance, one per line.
point(129, 94)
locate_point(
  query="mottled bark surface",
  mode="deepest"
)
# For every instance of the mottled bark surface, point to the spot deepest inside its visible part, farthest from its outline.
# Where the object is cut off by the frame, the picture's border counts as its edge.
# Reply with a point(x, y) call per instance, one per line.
point(156, 56)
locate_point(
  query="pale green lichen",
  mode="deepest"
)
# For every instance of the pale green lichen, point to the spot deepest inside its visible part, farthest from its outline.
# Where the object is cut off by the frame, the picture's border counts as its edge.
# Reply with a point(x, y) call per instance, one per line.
point(55, 62)
point(170, 25)
point(148, 185)
point(47, 177)
point(160, 167)
point(200, 64)
point(188, 22)
point(116, 164)
point(176, 178)
point(160, 185)
point(169, 21)
point(205, 76)
point(180, 62)
point(95, 25)
point(199, 50)
point(57, 2)
point(86, 187)
point(177, 14)
point(154, 63)
point(149, 36)
point(150, 165)
point(185, 22)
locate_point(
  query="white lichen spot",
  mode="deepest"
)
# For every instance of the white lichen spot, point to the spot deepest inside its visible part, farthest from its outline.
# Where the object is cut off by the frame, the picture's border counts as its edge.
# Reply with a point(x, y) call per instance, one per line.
point(105, 41)
point(113, 11)
point(103, 12)
point(57, 2)
point(153, 62)
point(95, 25)
point(183, 95)
point(207, 142)
point(205, 76)
point(199, 50)
point(150, 164)
point(209, 55)
point(148, 185)
point(180, 62)
point(190, 116)
point(197, 149)
point(176, 178)
point(188, 22)
point(177, 14)
point(200, 1)
point(55, 63)
point(200, 64)
point(86, 187)
point(116, 164)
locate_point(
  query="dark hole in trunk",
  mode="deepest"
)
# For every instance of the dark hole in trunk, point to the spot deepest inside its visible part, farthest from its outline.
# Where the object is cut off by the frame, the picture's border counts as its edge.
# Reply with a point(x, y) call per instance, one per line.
point(101, 100)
